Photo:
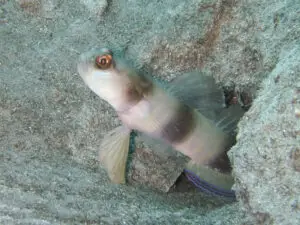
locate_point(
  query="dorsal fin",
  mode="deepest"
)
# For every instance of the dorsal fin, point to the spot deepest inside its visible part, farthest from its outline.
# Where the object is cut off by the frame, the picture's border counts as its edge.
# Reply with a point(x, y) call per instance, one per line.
point(199, 91)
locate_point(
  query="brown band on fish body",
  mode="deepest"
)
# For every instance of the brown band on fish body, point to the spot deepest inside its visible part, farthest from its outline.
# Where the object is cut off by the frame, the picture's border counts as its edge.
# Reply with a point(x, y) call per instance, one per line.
point(222, 162)
point(180, 126)
point(132, 95)
point(143, 84)
point(139, 87)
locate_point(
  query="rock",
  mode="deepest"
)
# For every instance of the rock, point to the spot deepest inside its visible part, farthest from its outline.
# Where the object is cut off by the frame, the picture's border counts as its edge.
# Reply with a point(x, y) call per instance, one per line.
point(266, 157)
point(95, 7)
point(51, 124)
point(31, 6)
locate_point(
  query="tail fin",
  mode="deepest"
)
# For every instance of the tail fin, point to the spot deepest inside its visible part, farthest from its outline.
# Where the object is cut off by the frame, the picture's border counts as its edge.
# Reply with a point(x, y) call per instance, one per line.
point(113, 153)
point(228, 118)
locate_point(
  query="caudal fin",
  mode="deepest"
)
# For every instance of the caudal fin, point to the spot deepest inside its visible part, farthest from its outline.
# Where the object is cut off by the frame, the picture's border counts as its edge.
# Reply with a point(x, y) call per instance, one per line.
point(113, 153)
point(228, 118)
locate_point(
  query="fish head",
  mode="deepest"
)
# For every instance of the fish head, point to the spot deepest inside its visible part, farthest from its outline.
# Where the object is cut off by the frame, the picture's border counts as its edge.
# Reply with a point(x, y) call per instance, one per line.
point(106, 75)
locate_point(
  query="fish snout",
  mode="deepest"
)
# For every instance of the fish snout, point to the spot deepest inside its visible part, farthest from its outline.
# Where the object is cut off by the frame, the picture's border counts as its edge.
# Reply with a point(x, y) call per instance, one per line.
point(83, 68)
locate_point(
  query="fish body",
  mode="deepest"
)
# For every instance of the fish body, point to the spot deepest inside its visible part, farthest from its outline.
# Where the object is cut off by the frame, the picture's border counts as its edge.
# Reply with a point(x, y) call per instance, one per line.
point(162, 116)
point(142, 104)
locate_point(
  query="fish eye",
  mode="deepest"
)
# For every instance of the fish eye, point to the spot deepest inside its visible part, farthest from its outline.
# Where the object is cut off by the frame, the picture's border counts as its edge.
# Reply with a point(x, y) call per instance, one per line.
point(103, 61)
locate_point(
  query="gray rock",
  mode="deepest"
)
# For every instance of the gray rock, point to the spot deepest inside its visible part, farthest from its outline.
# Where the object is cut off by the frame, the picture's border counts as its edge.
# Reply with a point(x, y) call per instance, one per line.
point(51, 123)
point(267, 170)
point(95, 7)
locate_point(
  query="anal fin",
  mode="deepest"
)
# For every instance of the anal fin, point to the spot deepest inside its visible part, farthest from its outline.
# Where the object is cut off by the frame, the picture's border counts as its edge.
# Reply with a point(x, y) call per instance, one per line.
point(210, 180)
point(113, 153)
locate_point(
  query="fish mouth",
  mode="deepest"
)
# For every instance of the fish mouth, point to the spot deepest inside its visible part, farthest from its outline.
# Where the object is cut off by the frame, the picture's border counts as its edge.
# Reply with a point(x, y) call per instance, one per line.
point(83, 68)
point(85, 63)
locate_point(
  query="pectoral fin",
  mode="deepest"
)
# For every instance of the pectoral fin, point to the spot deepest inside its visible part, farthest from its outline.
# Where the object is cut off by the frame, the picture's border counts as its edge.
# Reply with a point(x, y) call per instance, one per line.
point(113, 153)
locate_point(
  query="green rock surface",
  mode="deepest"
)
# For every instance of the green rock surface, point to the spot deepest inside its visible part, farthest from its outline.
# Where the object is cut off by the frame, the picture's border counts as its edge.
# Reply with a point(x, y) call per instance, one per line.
point(51, 124)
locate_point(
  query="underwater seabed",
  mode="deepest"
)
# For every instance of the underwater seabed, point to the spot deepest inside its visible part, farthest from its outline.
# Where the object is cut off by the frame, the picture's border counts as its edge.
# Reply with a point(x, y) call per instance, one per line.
point(56, 190)
point(51, 124)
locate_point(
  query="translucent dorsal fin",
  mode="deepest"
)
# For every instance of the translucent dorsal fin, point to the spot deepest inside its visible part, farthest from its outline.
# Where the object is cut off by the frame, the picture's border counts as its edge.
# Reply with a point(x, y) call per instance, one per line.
point(199, 91)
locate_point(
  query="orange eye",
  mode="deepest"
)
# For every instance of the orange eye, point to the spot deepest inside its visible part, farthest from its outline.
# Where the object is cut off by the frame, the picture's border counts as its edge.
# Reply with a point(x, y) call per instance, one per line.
point(103, 61)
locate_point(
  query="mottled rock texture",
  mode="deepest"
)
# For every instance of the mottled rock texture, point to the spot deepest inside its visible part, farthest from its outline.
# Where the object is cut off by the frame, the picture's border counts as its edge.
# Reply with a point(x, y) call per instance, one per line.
point(267, 171)
point(51, 124)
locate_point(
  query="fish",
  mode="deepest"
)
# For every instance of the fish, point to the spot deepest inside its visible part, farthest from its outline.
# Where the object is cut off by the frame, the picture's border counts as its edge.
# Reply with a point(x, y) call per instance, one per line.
point(188, 114)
